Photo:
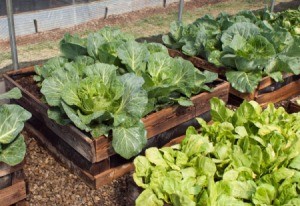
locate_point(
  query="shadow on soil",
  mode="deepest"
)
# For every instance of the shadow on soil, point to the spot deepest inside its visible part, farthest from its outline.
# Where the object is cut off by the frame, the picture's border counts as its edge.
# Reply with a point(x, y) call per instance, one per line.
point(287, 5)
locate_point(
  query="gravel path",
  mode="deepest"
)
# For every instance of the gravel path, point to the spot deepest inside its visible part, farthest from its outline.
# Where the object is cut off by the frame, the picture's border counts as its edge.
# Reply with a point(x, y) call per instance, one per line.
point(49, 183)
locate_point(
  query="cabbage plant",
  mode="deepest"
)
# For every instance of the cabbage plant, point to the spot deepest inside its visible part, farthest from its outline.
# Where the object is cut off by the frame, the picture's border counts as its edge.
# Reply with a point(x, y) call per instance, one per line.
point(250, 46)
point(107, 82)
point(12, 118)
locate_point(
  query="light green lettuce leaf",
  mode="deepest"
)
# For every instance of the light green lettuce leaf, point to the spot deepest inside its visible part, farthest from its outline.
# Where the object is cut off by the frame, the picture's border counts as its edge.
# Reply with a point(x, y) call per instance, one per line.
point(148, 197)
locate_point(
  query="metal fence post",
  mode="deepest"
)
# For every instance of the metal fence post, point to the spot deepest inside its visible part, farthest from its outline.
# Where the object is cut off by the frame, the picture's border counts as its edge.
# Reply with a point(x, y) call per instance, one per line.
point(272, 5)
point(12, 36)
point(181, 3)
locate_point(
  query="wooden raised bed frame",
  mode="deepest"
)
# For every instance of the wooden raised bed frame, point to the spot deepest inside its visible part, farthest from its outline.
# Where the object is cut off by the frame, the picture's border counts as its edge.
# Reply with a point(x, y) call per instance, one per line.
point(293, 106)
point(94, 159)
point(12, 185)
point(265, 93)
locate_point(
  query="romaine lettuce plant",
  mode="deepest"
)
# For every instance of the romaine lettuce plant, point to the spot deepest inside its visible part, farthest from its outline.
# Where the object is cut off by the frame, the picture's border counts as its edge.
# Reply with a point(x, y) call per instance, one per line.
point(12, 118)
point(245, 157)
point(249, 46)
point(105, 84)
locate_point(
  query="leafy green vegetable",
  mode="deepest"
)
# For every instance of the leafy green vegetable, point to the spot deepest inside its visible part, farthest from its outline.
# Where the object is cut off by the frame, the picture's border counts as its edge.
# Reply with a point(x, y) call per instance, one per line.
point(105, 83)
point(248, 45)
point(245, 157)
point(12, 118)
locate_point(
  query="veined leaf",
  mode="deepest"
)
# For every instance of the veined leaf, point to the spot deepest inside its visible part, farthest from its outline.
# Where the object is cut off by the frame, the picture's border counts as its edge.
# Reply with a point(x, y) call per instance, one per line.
point(12, 118)
point(129, 141)
point(14, 93)
point(73, 46)
point(242, 81)
point(134, 56)
point(14, 152)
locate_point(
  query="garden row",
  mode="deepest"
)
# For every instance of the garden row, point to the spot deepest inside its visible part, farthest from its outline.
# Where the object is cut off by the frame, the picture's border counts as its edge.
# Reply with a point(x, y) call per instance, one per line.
point(108, 97)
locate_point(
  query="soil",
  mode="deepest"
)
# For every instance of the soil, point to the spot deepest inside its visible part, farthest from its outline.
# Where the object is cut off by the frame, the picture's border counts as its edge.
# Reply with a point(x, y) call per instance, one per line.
point(29, 84)
point(49, 183)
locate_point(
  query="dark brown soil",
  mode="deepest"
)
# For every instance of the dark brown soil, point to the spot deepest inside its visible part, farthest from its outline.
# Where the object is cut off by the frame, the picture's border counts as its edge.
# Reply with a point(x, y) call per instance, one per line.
point(29, 84)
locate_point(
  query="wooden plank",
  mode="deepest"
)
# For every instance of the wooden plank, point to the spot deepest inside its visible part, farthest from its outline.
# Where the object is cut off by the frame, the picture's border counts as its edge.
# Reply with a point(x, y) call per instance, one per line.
point(112, 174)
point(5, 169)
point(267, 81)
point(285, 92)
point(118, 166)
point(175, 141)
point(244, 96)
point(54, 143)
point(13, 194)
point(201, 101)
point(22, 203)
point(276, 93)
point(93, 181)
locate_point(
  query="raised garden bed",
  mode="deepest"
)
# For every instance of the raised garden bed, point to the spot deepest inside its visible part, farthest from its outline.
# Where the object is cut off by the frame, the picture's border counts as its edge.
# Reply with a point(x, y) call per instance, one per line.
point(267, 91)
point(293, 106)
point(94, 159)
point(12, 185)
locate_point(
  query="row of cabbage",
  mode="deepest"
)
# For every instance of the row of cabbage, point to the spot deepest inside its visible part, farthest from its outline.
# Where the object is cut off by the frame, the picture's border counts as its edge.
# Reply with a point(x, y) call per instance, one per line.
point(249, 45)
point(245, 157)
point(107, 82)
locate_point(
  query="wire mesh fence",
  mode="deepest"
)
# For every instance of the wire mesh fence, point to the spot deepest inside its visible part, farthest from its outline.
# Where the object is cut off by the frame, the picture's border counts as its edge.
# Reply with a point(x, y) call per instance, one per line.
point(35, 16)
point(32, 16)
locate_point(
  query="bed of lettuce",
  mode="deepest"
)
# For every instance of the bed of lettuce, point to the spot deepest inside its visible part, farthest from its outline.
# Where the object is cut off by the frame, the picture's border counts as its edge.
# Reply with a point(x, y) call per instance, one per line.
point(105, 83)
point(249, 157)
point(12, 119)
point(250, 46)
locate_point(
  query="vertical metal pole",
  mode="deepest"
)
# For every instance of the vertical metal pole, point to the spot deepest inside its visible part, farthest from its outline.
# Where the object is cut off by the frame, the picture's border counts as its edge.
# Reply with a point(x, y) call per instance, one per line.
point(272, 5)
point(12, 35)
point(181, 3)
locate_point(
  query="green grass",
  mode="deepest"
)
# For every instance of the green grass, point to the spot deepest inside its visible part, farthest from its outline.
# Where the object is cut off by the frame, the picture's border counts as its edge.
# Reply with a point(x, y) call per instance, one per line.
point(145, 27)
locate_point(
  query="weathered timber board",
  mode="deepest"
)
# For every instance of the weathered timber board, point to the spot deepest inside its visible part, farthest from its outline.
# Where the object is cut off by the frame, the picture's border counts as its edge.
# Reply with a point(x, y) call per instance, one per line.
point(5, 169)
point(99, 149)
point(95, 178)
point(14, 193)
point(105, 175)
